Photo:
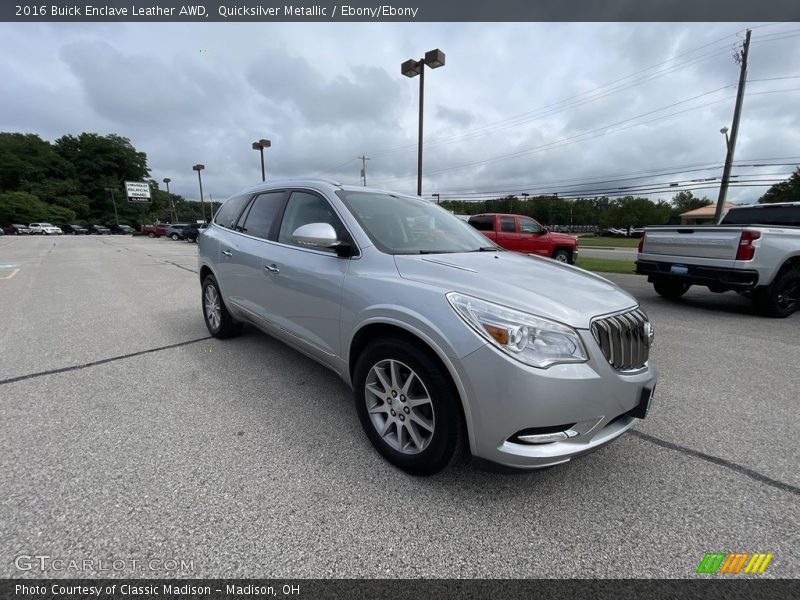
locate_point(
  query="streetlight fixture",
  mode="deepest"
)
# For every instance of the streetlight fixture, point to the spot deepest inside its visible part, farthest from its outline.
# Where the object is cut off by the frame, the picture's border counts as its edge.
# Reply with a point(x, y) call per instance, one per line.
point(113, 200)
point(411, 68)
point(198, 168)
point(525, 197)
point(437, 197)
point(166, 180)
point(260, 145)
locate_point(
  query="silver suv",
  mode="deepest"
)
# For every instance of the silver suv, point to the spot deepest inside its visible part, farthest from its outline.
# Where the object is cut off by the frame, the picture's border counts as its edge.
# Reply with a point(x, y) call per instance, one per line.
point(446, 339)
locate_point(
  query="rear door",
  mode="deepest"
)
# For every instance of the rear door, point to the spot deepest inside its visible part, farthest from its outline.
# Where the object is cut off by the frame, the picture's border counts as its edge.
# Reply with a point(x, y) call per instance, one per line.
point(507, 235)
point(242, 274)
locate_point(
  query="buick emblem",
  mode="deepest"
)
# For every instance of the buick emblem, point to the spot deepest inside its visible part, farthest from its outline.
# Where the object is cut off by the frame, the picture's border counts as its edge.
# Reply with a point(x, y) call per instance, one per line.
point(648, 334)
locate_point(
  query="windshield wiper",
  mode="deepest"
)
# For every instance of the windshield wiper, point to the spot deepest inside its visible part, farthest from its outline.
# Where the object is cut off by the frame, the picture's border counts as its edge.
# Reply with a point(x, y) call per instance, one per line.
point(488, 249)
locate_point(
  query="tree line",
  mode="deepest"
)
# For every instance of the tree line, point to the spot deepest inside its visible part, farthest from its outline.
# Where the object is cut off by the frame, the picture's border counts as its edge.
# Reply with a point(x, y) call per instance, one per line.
point(71, 180)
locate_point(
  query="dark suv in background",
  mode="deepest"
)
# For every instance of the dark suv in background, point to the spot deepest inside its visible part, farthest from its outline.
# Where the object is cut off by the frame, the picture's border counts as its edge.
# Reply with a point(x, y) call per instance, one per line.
point(74, 229)
point(191, 231)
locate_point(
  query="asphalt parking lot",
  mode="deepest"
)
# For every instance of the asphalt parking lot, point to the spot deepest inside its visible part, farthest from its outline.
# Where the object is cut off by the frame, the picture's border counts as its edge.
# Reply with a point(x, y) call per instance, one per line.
point(127, 433)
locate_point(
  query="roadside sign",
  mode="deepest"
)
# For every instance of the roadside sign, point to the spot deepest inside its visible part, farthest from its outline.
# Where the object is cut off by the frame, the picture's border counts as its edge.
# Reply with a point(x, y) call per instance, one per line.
point(137, 191)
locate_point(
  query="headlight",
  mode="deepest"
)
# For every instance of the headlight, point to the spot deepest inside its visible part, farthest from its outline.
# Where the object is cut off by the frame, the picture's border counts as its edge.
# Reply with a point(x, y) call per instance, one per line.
point(532, 340)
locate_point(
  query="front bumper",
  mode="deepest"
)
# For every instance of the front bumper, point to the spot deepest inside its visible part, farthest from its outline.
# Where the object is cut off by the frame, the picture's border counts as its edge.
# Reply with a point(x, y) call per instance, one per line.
point(591, 401)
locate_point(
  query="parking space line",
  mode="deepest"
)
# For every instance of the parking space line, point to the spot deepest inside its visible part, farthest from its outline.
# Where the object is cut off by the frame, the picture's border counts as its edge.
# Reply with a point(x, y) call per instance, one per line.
point(14, 272)
point(100, 362)
point(754, 475)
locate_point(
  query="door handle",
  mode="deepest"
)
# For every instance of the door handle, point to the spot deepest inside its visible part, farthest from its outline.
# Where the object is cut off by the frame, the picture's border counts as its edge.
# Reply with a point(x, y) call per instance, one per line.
point(227, 253)
point(272, 268)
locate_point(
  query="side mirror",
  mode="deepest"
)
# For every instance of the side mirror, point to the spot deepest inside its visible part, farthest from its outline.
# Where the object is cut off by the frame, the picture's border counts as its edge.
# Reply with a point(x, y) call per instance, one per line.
point(316, 235)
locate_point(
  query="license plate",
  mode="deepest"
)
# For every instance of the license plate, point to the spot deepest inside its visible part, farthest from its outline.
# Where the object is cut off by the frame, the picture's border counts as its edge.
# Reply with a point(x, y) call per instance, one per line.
point(679, 269)
point(641, 410)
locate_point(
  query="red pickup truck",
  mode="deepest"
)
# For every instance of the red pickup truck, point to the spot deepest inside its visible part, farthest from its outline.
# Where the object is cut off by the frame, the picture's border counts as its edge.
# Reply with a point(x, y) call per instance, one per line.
point(154, 230)
point(523, 234)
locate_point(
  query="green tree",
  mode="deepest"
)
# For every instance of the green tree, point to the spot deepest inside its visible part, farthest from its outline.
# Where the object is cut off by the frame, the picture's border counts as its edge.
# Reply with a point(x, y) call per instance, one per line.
point(22, 207)
point(102, 162)
point(629, 211)
point(785, 191)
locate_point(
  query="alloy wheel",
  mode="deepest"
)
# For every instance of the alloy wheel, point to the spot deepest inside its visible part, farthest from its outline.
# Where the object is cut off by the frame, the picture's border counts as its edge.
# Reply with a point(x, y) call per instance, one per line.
point(399, 406)
point(213, 307)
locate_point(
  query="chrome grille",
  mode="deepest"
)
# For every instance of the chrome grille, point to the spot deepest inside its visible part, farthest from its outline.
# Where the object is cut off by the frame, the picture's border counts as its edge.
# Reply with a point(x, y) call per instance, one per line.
point(623, 339)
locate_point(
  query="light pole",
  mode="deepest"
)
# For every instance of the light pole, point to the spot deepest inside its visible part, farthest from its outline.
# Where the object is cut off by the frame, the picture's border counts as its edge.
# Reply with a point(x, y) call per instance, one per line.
point(114, 202)
point(166, 180)
point(411, 68)
point(260, 145)
point(437, 197)
point(198, 168)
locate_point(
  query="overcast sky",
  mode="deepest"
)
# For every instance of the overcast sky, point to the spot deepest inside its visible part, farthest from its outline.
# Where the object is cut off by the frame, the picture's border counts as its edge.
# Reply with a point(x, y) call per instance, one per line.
point(518, 107)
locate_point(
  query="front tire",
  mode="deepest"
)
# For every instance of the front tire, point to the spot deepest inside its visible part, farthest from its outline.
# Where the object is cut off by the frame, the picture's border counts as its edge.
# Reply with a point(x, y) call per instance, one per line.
point(175, 236)
point(408, 406)
point(782, 298)
point(671, 288)
point(562, 256)
point(218, 320)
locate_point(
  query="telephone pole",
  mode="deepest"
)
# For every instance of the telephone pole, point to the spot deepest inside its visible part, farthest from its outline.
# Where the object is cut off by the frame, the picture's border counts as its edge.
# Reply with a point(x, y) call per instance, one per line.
point(363, 160)
point(731, 142)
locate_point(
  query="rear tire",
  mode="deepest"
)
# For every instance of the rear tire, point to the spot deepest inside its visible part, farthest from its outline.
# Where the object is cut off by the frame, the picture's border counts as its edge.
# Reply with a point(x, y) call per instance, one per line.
point(218, 320)
point(151, 235)
point(782, 298)
point(425, 433)
point(671, 288)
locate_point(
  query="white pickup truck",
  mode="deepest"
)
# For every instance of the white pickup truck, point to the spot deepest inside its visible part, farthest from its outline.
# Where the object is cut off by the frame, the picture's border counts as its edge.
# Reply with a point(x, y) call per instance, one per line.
point(754, 250)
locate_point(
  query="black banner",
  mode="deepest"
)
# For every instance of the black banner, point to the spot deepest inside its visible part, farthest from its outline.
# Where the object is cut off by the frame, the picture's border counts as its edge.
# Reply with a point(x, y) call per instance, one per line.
point(402, 10)
point(714, 587)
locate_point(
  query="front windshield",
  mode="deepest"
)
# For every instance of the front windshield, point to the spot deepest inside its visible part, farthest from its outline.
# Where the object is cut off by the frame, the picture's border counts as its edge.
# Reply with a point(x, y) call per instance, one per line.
point(410, 225)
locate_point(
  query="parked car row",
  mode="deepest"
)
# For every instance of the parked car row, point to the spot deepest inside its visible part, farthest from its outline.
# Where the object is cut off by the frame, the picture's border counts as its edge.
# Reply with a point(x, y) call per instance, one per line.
point(69, 228)
point(176, 231)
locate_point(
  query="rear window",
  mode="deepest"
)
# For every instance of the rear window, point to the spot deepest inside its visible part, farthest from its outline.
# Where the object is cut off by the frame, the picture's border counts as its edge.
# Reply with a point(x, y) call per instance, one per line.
point(482, 223)
point(764, 215)
point(229, 212)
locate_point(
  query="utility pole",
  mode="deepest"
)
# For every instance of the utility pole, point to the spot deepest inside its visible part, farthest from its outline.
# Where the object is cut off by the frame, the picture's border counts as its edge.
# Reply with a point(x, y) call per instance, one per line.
point(363, 160)
point(737, 112)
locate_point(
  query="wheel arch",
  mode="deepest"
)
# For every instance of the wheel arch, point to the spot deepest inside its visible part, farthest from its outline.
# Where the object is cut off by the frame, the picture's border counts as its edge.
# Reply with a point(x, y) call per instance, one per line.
point(377, 329)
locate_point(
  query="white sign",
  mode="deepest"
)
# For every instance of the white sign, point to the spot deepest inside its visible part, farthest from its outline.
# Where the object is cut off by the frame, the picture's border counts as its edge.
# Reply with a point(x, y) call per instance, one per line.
point(137, 191)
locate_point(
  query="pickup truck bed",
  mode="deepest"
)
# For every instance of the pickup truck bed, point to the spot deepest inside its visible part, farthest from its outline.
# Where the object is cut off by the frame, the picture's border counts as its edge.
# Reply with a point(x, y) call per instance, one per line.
point(761, 262)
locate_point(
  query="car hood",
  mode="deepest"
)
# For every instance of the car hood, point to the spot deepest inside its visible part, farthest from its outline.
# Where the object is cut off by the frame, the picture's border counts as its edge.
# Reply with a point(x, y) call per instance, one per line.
point(539, 286)
point(562, 237)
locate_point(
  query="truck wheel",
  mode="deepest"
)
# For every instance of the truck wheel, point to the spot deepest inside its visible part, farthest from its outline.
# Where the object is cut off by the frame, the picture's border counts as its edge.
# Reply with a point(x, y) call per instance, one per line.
point(782, 297)
point(151, 235)
point(561, 256)
point(219, 321)
point(408, 406)
point(671, 288)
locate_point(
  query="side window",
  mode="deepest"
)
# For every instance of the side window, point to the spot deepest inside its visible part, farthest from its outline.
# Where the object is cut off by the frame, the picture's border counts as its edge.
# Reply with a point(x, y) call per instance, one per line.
point(229, 212)
point(527, 225)
point(482, 223)
point(262, 214)
point(304, 208)
point(507, 224)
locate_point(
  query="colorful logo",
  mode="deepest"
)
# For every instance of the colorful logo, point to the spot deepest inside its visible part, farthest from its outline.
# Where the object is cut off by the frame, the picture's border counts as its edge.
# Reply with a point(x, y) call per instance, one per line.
point(734, 562)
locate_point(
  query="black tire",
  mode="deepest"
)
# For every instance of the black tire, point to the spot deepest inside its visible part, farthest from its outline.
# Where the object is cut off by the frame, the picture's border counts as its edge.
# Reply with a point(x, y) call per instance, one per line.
point(446, 442)
point(175, 237)
point(151, 235)
point(564, 256)
point(228, 326)
point(671, 288)
point(782, 298)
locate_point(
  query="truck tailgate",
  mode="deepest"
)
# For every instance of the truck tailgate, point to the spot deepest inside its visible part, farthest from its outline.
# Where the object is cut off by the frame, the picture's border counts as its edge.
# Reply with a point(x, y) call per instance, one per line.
point(694, 242)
